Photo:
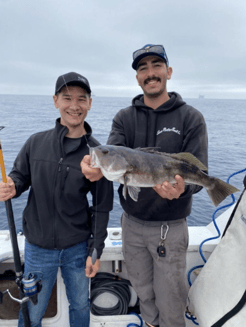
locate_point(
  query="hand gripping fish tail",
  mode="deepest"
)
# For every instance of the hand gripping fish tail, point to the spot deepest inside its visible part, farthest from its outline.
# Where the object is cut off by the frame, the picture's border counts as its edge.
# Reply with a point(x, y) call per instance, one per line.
point(136, 168)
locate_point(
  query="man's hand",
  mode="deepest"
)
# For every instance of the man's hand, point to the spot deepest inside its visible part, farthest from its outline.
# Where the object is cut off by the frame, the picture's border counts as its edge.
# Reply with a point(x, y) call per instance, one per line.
point(93, 174)
point(7, 190)
point(170, 192)
point(90, 269)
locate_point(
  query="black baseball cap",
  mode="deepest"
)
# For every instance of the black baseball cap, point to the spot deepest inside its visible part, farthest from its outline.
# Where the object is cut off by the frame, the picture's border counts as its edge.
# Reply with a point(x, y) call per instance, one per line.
point(74, 79)
point(149, 50)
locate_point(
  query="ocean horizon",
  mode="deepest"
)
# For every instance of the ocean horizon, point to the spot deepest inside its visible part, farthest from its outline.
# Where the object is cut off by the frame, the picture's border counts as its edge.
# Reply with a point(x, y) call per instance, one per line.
point(24, 115)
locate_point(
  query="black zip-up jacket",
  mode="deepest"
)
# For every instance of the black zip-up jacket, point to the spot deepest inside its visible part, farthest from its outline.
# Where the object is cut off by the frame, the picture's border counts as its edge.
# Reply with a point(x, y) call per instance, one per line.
point(173, 127)
point(57, 214)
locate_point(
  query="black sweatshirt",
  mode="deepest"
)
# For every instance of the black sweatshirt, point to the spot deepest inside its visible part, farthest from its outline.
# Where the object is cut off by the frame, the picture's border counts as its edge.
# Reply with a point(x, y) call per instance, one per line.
point(173, 127)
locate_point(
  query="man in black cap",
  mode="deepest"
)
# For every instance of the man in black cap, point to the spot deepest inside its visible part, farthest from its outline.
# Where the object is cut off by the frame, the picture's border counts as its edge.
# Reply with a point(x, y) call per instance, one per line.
point(60, 227)
point(154, 229)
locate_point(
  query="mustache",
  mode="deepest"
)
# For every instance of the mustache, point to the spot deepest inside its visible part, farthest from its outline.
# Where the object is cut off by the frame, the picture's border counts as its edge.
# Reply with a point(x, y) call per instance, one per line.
point(152, 79)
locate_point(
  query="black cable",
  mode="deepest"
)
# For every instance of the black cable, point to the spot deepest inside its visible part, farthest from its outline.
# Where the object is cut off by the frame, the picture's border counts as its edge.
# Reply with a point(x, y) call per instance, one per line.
point(109, 283)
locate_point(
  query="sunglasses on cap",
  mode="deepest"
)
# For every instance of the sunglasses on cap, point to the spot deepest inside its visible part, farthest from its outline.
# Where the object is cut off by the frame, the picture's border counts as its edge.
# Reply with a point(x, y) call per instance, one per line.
point(149, 49)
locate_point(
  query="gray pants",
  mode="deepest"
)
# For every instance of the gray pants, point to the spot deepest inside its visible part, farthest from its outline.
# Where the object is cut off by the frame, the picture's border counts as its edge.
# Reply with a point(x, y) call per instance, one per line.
point(159, 282)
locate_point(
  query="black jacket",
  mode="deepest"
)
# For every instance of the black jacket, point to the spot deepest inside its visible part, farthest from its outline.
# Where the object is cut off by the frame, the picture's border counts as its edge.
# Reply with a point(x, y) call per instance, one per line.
point(173, 127)
point(58, 214)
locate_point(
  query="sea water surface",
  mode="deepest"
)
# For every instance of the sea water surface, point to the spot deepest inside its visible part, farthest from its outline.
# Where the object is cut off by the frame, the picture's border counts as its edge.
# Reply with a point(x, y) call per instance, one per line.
point(23, 115)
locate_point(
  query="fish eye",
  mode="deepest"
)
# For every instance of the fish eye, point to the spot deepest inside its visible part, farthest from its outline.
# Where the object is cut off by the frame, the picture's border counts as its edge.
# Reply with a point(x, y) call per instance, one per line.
point(105, 151)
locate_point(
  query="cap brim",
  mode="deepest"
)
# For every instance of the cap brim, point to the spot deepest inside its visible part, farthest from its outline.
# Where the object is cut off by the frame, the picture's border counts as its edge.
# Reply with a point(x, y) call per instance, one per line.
point(143, 55)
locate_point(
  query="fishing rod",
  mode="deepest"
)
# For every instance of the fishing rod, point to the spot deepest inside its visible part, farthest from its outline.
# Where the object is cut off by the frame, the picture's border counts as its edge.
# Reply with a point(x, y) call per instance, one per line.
point(28, 287)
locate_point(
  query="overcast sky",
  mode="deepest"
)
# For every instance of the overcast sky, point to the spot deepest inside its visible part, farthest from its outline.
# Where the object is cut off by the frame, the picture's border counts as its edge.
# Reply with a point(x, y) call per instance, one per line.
point(205, 42)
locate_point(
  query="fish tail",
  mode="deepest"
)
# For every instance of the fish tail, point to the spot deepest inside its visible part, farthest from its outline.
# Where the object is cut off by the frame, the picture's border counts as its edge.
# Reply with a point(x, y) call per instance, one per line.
point(219, 190)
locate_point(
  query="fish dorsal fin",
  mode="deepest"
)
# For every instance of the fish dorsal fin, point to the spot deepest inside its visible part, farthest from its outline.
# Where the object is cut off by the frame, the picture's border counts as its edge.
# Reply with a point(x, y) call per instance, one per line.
point(184, 156)
point(189, 158)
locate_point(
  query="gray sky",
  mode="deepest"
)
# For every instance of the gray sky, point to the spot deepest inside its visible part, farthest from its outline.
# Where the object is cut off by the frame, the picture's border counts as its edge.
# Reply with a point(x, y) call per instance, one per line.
point(205, 42)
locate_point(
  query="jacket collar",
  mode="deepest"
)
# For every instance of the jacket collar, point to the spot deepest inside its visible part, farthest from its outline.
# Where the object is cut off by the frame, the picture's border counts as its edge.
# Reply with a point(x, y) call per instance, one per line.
point(62, 130)
point(174, 102)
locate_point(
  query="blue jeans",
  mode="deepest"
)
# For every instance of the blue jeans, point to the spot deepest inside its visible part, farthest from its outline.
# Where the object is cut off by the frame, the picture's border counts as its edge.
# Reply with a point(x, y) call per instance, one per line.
point(44, 264)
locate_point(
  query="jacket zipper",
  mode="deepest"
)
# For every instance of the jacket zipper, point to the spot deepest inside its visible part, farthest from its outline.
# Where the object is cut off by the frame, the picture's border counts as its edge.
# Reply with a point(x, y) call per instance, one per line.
point(57, 181)
point(60, 164)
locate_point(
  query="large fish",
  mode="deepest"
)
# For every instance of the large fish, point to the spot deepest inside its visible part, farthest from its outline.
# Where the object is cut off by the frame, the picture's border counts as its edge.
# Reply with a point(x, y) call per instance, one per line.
point(145, 167)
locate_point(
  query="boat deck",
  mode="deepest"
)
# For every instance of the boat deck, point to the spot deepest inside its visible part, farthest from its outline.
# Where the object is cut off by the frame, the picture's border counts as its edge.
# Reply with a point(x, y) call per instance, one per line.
point(112, 261)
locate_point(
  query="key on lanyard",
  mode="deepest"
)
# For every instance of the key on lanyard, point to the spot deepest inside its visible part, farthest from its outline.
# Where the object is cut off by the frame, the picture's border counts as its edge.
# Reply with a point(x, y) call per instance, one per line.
point(161, 250)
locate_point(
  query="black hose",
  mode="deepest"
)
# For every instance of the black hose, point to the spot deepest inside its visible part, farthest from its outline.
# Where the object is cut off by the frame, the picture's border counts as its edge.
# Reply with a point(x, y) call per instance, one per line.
point(109, 283)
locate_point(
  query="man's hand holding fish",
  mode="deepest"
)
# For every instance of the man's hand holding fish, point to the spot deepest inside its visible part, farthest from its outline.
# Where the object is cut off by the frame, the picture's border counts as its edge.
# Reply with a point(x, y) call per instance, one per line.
point(169, 191)
point(93, 174)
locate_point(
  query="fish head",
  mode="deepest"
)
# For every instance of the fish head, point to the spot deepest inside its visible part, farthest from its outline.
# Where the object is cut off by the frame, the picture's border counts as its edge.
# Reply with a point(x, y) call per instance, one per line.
point(110, 160)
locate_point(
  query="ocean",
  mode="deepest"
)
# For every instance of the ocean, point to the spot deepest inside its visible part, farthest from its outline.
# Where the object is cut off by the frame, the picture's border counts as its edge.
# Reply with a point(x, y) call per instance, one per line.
point(23, 115)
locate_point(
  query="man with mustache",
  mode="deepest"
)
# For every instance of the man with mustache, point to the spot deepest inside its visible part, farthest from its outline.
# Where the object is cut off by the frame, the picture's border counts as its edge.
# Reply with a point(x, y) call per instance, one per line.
point(154, 229)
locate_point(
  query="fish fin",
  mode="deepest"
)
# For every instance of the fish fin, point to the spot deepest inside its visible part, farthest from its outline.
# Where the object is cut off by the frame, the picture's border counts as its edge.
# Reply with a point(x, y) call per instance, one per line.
point(184, 156)
point(219, 191)
point(189, 158)
point(133, 192)
point(124, 191)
